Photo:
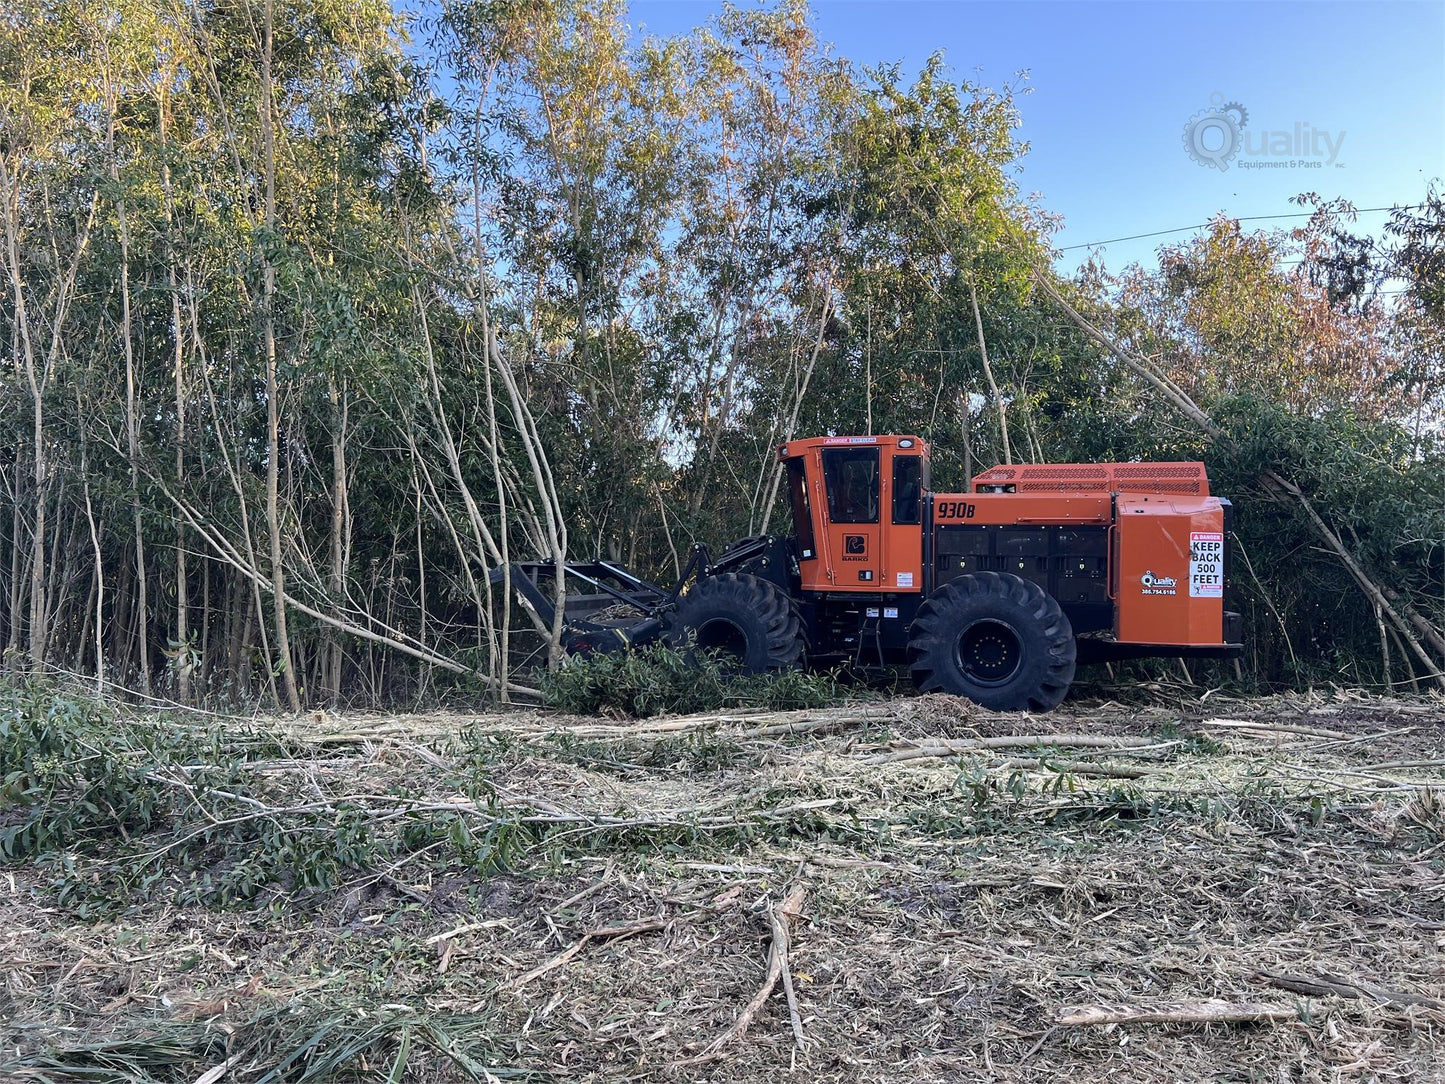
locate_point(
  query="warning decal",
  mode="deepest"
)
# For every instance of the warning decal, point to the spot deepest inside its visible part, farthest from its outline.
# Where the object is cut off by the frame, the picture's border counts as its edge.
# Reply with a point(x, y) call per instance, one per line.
point(1206, 564)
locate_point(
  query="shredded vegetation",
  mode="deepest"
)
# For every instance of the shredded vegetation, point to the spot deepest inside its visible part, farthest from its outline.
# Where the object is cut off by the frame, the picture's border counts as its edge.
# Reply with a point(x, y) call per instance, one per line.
point(658, 680)
point(1181, 889)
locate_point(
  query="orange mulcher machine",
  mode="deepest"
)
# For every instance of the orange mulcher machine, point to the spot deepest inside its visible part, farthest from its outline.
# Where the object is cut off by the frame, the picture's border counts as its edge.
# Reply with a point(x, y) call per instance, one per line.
point(995, 594)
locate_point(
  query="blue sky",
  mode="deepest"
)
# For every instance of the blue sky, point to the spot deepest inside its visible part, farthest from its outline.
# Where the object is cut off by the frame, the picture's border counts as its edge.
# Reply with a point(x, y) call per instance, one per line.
point(1115, 84)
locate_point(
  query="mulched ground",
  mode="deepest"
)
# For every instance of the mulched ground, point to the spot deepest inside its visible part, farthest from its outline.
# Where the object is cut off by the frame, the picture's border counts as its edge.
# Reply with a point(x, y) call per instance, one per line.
point(1280, 856)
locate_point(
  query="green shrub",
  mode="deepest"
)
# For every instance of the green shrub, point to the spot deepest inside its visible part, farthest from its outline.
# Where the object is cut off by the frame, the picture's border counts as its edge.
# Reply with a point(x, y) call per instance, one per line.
point(657, 680)
point(65, 779)
point(116, 806)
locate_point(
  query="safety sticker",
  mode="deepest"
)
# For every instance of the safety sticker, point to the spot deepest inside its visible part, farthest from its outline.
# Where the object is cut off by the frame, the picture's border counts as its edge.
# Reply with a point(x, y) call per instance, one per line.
point(905, 579)
point(1206, 564)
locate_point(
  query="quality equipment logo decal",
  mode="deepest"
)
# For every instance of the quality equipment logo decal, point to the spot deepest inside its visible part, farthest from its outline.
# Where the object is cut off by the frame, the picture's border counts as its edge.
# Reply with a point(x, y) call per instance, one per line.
point(1158, 585)
point(1213, 136)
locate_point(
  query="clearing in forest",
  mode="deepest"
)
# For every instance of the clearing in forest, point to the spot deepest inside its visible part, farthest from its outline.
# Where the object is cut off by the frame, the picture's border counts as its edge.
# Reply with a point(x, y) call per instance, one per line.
point(915, 889)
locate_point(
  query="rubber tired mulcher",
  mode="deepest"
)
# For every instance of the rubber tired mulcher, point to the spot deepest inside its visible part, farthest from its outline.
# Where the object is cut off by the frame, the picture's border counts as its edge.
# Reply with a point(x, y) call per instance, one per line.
point(996, 594)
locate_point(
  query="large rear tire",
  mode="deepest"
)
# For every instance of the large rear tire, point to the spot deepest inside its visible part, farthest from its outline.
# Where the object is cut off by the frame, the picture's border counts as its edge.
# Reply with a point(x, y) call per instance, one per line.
point(742, 618)
point(999, 640)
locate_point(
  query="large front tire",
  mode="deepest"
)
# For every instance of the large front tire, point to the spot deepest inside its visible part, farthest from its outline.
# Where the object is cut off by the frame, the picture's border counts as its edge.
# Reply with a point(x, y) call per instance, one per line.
point(742, 618)
point(999, 640)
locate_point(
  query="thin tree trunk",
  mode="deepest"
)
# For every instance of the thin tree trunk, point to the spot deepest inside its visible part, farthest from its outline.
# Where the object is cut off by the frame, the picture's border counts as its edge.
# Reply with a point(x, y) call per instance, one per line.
point(988, 374)
point(556, 526)
point(868, 371)
point(424, 680)
point(11, 197)
point(772, 497)
point(338, 520)
point(1409, 669)
point(88, 622)
point(63, 583)
point(233, 474)
point(183, 633)
point(120, 614)
point(488, 552)
point(235, 612)
point(206, 668)
point(132, 408)
point(16, 592)
point(273, 438)
point(503, 661)
point(254, 619)
point(1384, 650)
point(132, 441)
point(965, 411)
point(37, 551)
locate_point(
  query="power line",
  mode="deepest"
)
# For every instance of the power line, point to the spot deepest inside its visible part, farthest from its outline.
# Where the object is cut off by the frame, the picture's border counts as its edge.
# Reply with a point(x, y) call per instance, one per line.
point(1247, 218)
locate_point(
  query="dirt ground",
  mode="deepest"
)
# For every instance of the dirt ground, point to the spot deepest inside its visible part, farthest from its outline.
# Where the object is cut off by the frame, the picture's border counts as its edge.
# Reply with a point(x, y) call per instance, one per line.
point(950, 894)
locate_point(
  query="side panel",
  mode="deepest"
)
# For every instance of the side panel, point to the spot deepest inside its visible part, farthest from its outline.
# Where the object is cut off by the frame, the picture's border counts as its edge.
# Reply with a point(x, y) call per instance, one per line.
point(1169, 571)
point(1008, 508)
point(1069, 561)
point(868, 629)
point(1060, 542)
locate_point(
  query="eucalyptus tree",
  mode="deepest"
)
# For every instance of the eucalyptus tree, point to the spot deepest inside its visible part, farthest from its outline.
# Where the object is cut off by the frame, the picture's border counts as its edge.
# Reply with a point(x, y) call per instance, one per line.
point(48, 221)
point(936, 322)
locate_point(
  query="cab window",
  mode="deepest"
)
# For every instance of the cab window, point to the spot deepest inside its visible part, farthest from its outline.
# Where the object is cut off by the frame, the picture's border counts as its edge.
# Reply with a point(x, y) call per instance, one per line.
point(802, 512)
point(852, 478)
point(907, 489)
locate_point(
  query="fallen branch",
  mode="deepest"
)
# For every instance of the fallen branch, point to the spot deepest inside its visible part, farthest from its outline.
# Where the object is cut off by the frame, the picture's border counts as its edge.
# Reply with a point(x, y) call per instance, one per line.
point(1273, 728)
point(811, 724)
point(945, 747)
point(468, 927)
point(1400, 764)
point(1213, 1011)
point(1363, 738)
point(578, 897)
point(1074, 767)
point(604, 933)
point(779, 924)
point(1324, 985)
point(780, 919)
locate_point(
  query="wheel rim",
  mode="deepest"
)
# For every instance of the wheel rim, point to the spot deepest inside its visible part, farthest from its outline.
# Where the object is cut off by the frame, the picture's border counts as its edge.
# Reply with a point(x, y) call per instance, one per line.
point(989, 652)
point(724, 637)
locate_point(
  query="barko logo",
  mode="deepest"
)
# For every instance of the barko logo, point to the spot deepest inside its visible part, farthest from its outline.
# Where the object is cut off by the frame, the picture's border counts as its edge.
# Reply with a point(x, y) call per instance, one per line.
point(1214, 137)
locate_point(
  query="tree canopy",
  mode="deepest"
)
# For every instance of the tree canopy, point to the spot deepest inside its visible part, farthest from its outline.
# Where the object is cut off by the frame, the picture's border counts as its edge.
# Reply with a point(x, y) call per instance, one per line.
point(305, 336)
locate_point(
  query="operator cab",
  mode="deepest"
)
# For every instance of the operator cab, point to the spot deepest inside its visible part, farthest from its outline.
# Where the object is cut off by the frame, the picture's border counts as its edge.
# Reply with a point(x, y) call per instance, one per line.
point(858, 509)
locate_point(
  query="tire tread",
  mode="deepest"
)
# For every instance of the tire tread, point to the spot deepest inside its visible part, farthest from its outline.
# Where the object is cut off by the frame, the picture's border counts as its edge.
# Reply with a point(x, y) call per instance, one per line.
point(941, 619)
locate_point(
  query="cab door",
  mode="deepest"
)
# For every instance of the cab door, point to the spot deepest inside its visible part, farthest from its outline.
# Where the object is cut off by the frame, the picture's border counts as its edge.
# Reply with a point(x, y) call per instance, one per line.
point(852, 482)
point(905, 483)
point(805, 494)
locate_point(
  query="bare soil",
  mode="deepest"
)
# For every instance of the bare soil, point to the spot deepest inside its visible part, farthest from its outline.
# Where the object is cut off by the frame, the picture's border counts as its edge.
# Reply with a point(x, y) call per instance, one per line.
point(963, 911)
